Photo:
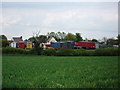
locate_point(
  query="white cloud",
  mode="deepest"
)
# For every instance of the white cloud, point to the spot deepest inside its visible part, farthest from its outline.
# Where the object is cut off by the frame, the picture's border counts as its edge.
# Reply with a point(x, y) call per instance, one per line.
point(8, 21)
point(84, 20)
point(80, 15)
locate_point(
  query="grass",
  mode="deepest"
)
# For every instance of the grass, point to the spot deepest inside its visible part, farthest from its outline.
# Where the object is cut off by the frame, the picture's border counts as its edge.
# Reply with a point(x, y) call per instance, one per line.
point(60, 72)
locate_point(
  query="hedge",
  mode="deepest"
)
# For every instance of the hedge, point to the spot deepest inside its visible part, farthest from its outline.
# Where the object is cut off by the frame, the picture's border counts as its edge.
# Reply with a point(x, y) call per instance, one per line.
point(35, 51)
point(49, 52)
point(64, 52)
point(107, 52)
point(10, 50)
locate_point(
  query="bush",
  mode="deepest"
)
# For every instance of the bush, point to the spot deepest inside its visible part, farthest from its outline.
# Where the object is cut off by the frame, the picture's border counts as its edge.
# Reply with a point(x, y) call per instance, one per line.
point(83, 52)
point(107, 52)
point(48, 52)
point(35, 51)
point(79, 52)
point(10, 50)
point(4, 43)
point(65, 52)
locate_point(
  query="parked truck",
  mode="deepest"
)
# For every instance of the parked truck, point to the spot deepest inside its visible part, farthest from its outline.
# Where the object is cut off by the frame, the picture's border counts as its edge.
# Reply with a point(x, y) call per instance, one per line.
point(85, 45)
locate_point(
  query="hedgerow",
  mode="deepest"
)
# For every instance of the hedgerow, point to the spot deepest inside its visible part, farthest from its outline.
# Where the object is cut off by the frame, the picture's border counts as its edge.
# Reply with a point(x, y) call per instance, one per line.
point(64, 52)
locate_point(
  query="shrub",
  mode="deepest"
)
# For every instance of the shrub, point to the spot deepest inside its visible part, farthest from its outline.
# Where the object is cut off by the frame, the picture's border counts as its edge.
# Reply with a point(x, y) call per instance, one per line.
point(79, 52)
point(4, 43)
point(83, 52)
point(48, 52)
point(65, 52)
point(107, 52)
point(10, 50)
point(35, 51)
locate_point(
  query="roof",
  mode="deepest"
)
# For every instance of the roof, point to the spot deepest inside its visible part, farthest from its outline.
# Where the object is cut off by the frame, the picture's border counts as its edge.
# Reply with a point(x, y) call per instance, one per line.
point(42, 40)
point(49, 39)
point(17, 39)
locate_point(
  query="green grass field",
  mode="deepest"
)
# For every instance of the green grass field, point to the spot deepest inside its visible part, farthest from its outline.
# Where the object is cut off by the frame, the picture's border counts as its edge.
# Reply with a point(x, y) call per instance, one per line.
point(60, 72)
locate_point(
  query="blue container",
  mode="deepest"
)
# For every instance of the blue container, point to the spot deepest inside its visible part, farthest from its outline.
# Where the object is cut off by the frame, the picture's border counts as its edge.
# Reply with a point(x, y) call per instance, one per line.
point(70, 44)
point(62, 44)
point(55, 45)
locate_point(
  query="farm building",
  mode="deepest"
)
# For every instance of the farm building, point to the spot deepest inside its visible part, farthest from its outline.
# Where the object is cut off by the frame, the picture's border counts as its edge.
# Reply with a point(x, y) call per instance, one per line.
point(15, 41)
point(46, 42)
point(51, 39)
point(28, 44)
point(21, 44)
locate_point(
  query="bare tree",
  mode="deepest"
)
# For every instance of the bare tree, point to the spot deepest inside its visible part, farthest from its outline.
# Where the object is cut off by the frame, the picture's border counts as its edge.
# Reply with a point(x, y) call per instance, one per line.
point(36, 35)
point(36, 42)
point(105, 40)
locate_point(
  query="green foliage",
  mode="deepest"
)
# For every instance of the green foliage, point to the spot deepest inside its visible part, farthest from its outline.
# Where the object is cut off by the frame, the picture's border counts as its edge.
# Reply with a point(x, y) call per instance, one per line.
point(10, 50)
point(48, 52)
point(35, 51)
point(59, 72)
point(31, 38)
point(78, 37)
point(83, 52)
point(118, 37)
point(42, 36)
point(3, 37)
point(112, 41)
point(106, 52)
point(94, 40)
point(4, 42)
point(59, 36)
point(70, 37)
point(65, 52)
point(79, 52)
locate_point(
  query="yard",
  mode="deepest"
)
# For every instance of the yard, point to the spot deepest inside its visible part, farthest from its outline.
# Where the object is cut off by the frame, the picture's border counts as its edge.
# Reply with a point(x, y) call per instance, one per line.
point(60, 72)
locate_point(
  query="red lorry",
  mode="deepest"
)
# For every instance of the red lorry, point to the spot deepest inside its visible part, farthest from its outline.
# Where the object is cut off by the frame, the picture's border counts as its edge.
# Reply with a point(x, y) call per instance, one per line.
point(86, 45)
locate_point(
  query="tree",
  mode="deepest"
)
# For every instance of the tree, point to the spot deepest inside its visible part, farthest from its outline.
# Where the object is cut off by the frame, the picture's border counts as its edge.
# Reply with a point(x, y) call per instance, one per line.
point(105, 40)
point(60, 36)
point(112, 41)
point(70, 37)
point(42, 36)
point(51, 34)
point(3, 37)
point(31, 38)
point(4, 43)
point(118, 37)
point(78, 37)
point(36, 43)
point(94, 40)
point(86, 40)
point(3, 40)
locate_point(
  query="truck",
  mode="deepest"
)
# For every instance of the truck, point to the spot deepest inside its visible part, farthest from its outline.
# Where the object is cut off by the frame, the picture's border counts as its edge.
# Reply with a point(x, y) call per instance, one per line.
point(85, 45)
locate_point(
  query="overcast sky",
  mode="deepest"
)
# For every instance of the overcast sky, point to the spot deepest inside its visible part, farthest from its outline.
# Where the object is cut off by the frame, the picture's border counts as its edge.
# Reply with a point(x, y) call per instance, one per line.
point(91, 19)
